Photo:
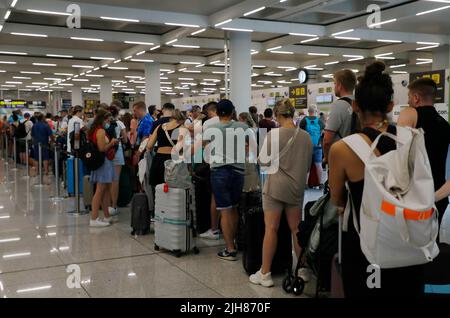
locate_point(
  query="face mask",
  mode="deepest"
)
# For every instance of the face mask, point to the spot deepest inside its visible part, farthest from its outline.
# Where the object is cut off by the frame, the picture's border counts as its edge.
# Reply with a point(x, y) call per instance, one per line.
point(107, 126)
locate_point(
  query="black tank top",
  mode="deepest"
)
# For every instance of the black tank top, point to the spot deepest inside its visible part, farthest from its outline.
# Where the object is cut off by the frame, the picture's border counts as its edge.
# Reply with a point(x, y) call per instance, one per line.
point(385, 145)
point(162, 139)
point(437, 139)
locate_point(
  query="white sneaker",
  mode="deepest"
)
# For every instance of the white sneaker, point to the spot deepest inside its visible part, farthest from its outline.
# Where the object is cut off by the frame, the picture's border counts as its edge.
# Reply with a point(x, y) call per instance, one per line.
point(210, 235)
point(113, 211)
point(98, 223)
point(108, 220)
point(261, 279)
point(305, 273)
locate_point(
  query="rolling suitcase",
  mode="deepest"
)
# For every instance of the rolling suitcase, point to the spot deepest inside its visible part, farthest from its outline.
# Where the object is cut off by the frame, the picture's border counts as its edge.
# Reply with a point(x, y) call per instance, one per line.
point(174, 220)
point(125, 187)
point(254, 229)
point(71, 176)
point(88, 192)
point(200, 179)
point(140, 215)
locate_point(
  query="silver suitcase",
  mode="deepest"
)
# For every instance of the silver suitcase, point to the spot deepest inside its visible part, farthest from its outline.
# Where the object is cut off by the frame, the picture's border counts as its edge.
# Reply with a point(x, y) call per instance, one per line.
point(174, 212)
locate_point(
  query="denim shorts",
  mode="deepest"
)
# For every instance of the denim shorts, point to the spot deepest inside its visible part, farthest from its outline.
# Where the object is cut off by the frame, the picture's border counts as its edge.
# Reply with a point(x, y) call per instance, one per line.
point(227, 183)
point(317, 155)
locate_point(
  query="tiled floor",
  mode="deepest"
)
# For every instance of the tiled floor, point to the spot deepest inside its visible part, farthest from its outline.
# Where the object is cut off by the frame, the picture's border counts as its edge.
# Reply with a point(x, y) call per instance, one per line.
point(39, 239)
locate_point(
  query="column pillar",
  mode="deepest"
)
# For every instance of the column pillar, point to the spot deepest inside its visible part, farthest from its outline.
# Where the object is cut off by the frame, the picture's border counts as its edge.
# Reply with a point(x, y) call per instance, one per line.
point(77, 96)
point(441, 58)
point(153, 84)
point(106, 90)
point(241, 70)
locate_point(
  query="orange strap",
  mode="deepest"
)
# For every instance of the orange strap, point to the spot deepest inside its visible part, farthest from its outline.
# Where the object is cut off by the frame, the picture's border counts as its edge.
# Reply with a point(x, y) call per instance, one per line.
point(389, 208)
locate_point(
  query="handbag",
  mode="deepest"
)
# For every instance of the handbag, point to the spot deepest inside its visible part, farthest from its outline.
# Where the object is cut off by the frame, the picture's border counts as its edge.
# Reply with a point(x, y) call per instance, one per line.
point(176, 172)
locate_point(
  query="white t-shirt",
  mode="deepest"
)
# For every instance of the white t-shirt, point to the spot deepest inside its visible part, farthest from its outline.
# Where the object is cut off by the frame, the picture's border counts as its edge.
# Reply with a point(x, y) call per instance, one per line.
point(211, 121)
point(119, 128)
point(71, 127)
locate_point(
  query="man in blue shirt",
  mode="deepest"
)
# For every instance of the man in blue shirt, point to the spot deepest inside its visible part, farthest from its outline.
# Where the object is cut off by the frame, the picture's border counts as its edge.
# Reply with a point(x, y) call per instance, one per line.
point(145, 121)
point(41, 134)
point(144, 127)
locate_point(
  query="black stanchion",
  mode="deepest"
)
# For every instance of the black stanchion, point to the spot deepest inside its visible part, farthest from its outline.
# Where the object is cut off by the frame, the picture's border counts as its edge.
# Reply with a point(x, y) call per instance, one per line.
point(40, 167)
point(57, 196)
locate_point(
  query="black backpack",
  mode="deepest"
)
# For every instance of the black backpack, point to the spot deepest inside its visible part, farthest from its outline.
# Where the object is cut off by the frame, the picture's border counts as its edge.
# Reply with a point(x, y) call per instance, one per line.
point(21, 131)
point(356, 125)
point(83, 139)
point(91, 157)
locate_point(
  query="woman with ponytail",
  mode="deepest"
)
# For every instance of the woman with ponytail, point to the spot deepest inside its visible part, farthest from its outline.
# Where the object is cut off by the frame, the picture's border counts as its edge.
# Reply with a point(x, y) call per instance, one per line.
point(373, 101)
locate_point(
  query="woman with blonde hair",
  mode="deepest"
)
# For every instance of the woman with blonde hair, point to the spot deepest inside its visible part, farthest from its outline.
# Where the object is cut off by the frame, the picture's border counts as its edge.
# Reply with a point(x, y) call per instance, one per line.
point(284, 189)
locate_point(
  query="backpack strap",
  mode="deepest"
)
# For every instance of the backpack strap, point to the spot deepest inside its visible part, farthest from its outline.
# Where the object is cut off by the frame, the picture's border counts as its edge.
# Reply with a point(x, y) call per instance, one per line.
point(359, 146)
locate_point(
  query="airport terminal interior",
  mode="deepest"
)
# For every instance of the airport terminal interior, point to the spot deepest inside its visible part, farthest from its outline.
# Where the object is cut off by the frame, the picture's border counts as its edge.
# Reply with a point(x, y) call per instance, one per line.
point(187, 57)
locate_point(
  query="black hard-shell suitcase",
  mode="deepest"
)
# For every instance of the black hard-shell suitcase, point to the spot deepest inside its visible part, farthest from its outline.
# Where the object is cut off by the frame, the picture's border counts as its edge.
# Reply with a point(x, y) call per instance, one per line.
point(201, 182)
point(140, 215)
point(254, 227)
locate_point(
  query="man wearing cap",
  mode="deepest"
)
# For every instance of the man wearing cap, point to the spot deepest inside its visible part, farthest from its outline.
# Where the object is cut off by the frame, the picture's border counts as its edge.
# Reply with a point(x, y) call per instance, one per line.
point(227, 173)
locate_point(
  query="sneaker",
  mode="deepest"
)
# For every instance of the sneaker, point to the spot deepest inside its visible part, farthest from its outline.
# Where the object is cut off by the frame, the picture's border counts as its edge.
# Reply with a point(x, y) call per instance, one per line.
point(304, 273)
point(108, 220)
point(210, 235)
point(98, 223)
point(261, 279)
point(113, 211)
point(228, 256)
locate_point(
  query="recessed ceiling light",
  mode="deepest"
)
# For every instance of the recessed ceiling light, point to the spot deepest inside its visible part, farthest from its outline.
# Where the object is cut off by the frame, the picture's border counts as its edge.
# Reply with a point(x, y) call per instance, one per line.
point(59, 55)
point(86, 39)
point(332, 63)
point(310, 40)
point(13, 53)
point(254, 11)
point(281, 52)
point(171, 42)
point(117, 68)
point(29, 72)
point(7, 62)
point(388, 41)
point(44, 64)
point(102, 58)
point(142, 60)
point(139, 43)
point(7, 14)
point(198, 32)
point(182, 25)
point(347, 38)
point(373, 25)
point(186, 46)
point(431, 11)
point(82, 66)
point(342, 32)
point(318, 54)
point(30, 34)
point(120, 19)
point(397, 66)
point(156, 47)
point(48, 12)
point(223, 22)
point(238, 29)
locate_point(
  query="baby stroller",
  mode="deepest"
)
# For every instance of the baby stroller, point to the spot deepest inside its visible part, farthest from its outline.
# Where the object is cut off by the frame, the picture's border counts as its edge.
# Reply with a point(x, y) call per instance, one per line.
point(318, 238)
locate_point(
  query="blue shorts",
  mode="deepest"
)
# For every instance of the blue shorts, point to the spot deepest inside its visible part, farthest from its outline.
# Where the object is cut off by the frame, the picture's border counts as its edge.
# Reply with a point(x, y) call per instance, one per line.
point(317, 155)
point(227, 183)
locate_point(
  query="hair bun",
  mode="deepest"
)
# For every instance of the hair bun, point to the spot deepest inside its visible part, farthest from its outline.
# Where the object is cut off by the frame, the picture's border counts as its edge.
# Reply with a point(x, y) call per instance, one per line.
point(375, 70)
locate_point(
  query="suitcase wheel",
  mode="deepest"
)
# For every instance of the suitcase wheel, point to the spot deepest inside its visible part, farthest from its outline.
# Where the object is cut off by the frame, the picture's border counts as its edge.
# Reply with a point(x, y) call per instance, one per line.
point(298, 286)
point(196, 250)
point(287, 283)
point(156, 247)
point(177, 253)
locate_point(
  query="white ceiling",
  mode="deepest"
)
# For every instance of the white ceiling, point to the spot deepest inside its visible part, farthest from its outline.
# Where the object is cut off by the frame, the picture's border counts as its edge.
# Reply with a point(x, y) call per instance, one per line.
point(271, 29)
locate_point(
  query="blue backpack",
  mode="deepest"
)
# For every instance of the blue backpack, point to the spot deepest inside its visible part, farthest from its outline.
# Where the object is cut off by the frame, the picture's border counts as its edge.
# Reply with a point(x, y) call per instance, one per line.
point(313, 129)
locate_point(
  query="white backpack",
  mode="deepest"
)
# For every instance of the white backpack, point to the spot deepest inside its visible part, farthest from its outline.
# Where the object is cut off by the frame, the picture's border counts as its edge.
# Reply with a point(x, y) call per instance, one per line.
point(398, 218)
